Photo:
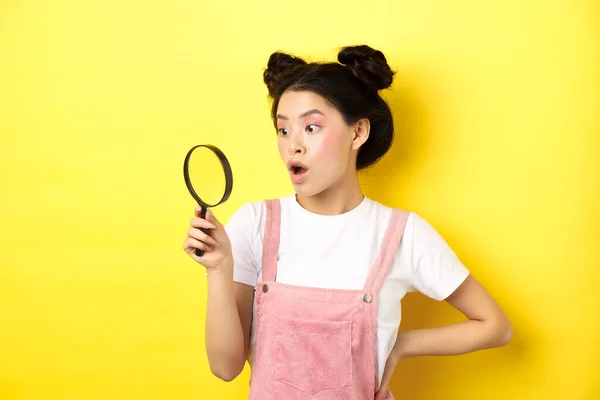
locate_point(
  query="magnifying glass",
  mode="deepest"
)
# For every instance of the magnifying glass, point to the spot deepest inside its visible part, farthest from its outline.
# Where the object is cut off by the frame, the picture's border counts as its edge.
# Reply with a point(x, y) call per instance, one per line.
point(208, 168)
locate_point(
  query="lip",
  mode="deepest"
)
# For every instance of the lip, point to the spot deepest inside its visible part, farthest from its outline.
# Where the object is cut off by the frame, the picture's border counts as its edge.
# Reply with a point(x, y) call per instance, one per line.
point(297, 178)
point(295, 163)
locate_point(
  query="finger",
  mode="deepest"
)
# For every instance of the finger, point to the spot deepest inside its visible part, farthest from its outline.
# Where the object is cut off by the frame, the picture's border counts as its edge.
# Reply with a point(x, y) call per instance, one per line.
point(193, 244)
point(198, 222)
point(385, 380)
point(211, 218)
point(203, 237)
point(382, 393)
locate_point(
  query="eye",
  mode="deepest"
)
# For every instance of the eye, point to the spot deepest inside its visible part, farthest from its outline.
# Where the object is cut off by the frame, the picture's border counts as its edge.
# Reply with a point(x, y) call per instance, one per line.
point(283, 131)
point(312, 128)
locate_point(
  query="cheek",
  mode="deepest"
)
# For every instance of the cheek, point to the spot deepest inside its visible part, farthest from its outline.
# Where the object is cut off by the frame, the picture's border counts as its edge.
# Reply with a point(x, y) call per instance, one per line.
point(281, 147)
point(332, 145)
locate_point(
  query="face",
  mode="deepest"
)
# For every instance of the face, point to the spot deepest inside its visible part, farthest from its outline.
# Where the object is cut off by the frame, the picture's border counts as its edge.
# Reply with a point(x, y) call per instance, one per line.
point(316, 145)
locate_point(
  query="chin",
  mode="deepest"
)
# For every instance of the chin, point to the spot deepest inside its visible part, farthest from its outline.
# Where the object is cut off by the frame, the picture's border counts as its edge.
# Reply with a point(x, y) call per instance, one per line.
point(308, 190)
point(305, 191)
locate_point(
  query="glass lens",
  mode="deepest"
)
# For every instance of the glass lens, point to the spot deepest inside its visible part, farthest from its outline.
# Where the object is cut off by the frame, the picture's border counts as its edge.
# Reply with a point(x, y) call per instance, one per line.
point(206, 175)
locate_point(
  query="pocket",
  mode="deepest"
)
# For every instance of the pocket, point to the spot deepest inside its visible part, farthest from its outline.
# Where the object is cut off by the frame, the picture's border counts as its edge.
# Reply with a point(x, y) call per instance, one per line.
point(313, 355)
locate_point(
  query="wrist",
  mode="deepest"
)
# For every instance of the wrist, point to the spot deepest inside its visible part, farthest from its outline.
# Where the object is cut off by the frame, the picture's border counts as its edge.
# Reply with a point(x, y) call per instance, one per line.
point(224, 268)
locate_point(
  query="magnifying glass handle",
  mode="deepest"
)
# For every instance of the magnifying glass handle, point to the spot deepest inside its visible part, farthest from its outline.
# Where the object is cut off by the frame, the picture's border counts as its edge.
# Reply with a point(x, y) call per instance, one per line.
point(199, 252)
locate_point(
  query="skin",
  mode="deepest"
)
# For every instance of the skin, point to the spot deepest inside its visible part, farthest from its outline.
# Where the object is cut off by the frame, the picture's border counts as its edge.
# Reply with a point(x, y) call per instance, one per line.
point(313, 132)
point(327, 146)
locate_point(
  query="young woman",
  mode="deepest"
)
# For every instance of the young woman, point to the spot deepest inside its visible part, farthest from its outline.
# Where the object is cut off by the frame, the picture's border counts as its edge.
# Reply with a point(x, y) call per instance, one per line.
point(307, 288)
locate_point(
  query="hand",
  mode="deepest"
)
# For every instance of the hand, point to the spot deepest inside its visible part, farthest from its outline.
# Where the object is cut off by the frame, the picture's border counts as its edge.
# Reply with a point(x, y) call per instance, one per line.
point(214, 240)
point(388, 371)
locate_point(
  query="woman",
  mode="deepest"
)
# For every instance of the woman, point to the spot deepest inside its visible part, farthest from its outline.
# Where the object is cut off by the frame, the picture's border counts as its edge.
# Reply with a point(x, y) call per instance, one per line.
point(308, 287)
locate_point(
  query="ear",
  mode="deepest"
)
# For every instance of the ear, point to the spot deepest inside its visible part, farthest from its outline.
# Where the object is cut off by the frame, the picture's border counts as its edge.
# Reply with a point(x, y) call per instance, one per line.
point(360, 132)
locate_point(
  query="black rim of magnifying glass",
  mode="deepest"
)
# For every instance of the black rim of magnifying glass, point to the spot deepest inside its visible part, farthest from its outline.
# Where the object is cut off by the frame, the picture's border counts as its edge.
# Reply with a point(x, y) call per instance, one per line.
point(226, 170)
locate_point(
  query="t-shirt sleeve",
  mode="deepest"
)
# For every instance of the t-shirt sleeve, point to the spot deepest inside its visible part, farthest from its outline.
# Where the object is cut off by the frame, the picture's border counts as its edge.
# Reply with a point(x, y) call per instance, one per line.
point(437, 272)
point(242, 229)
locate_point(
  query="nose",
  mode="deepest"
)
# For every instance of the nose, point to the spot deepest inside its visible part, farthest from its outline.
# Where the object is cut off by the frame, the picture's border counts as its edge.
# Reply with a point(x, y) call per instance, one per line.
point(297, 145)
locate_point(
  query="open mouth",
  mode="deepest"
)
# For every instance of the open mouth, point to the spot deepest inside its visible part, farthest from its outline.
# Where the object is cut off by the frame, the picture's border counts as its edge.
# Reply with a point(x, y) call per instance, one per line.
point(298, 171)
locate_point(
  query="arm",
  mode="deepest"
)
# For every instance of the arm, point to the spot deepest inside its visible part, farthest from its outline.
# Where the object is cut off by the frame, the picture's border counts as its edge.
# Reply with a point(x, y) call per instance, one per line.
point(228, 322)
point(487, 327)
point(439, 274)
point(229, 303)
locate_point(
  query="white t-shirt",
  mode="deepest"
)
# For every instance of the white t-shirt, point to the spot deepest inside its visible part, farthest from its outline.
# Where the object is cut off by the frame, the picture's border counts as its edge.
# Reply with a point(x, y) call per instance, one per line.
point(337, 252)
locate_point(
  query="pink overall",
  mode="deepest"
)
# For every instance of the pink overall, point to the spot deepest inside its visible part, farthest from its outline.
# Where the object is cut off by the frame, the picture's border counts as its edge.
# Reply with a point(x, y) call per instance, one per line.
point(314, 343)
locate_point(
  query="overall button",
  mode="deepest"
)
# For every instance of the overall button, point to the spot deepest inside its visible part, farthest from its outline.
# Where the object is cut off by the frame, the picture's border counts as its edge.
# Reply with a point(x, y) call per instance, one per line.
point(367, 298)
point(265, 288)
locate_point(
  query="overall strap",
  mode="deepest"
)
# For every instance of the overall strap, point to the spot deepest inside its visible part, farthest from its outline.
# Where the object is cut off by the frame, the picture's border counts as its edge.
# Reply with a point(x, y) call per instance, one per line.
point(271, 240)
point(385, 258)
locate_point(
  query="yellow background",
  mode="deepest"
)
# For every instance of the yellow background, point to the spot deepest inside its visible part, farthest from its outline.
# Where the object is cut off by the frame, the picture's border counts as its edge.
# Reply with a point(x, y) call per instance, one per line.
point(496, 105)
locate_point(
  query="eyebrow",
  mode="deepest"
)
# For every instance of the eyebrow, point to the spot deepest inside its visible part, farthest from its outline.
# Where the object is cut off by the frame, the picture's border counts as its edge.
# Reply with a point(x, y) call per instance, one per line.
point(303, 115)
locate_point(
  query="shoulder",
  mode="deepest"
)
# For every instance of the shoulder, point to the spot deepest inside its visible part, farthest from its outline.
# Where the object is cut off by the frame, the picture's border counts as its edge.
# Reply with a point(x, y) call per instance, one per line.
point(252, 214)
point(250, 210)
point(416, 224)
point(424, 233)
point(420, 239)
point(436, 269)
point(246, 217)
point(384, 212)
point(426, 260)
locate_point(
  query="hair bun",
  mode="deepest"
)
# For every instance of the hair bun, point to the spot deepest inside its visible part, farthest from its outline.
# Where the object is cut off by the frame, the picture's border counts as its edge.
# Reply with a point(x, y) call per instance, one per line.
point(279, 69)
point(368, 65)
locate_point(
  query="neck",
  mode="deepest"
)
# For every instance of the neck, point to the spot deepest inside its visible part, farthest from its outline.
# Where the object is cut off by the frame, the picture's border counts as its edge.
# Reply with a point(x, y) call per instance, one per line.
point(337, 199)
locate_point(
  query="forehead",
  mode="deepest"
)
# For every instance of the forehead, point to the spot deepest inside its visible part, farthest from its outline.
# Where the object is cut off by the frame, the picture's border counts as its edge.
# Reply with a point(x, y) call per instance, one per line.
point(293, 103)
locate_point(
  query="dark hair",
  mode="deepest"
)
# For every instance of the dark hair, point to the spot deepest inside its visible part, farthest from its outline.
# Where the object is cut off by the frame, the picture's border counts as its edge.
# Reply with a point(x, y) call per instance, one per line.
point(351, 86)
